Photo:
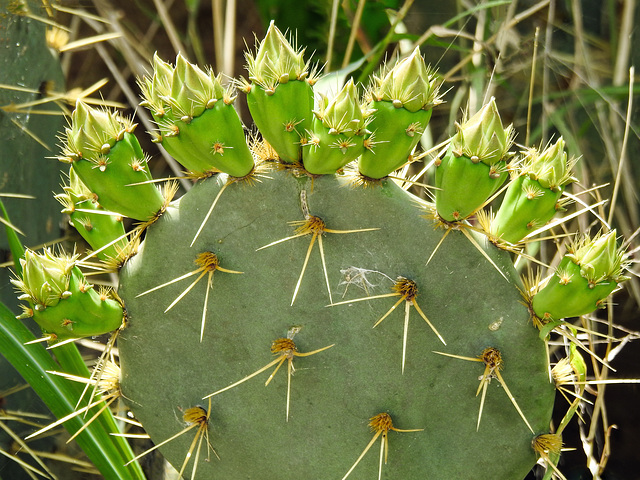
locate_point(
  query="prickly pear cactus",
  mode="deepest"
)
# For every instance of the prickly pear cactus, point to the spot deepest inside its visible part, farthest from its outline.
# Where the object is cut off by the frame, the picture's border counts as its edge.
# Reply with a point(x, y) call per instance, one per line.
point(319, 427)
point(294, 313)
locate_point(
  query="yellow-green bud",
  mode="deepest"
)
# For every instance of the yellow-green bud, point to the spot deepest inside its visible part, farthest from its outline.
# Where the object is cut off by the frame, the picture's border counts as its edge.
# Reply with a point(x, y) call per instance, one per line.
point(276, 61)
point(550, 168)
point(342, 114)
point(162, 74)
point(45, 277)
point(94, 131)
point(599, 258)
point(409, 84)
point(482, 138)
point(192, 89)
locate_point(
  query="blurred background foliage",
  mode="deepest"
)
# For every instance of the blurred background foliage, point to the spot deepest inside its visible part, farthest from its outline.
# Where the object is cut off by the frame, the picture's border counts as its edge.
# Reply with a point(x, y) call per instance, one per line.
point(556, 67)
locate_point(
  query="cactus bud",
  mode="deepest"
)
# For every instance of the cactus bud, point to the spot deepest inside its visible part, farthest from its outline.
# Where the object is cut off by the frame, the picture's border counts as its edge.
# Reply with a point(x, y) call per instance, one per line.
point(551, 168)
point(584, 278)
point(337, 131)
point(343, 114)
point(109, 160)
point(198, 125)
point(599, 258)
point(157, 88)
point(531, 199)
point(63, 303)
point(45, 277)
point(93, 129)
point(474, 167)
point(402, 99)
point(280, 99)
point(192, 89)
point(276, 60)
point(483, 136)
point(410, 84)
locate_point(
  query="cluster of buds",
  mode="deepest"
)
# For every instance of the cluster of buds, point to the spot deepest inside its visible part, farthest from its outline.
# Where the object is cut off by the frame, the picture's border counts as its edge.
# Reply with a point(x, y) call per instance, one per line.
point(586, 276)
point(197, 123)
point(60, 299)
point(107, 157)
point(403, 99)
point(89, 219)
point(475, 165)
point(532, 198)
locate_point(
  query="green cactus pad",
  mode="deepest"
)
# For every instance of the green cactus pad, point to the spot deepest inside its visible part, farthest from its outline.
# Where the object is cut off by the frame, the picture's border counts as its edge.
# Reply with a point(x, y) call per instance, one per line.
point(464, 186)
point(166, 369)
point(119, 183)
point(526, 206)
point(569, 294)
point(84, 313)
point(283, 115)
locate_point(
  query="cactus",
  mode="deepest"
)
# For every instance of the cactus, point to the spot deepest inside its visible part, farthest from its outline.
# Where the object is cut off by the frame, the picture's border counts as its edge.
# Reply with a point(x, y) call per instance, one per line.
point(333, 271)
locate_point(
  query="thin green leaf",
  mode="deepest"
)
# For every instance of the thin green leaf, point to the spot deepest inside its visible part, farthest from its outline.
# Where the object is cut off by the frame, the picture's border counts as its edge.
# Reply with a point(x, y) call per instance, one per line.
point(60, 395)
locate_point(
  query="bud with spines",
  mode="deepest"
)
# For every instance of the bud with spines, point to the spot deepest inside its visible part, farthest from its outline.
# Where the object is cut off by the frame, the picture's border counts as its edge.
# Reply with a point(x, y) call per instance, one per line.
point(475, 165)
point(402, 99)
point(532, 198)
point(108, 159)
point(337, 132)
point(586, 276)
point(279, 93)
point(61, 300)
point(197, 122)
point(98, 229)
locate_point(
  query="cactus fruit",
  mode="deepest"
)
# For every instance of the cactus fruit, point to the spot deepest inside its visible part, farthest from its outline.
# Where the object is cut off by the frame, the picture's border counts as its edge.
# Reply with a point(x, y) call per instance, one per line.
point(312, 256)
point(585, 277)
point(280, 94)
point(106, 155)
point(533, 198)
point(61, 300)
point(475, 165)
point(104, 233)
point(197, 122)
point(402, 99)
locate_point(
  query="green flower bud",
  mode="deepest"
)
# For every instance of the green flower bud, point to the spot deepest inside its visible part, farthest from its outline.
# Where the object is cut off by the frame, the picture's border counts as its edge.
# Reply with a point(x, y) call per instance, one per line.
point(108, 158)
point(550, 168)
point(192, 90)
point(157, 88)
point(45, 278)
point(94, 131)
point(197, 123)
point(586, 276)
point(343, 114)
point(409, 84)
point(63, 303)
point(77, 190)
point(599, 258)
point(482, 138)
point(276, 61)
point(531, 200)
